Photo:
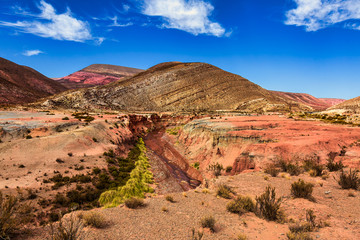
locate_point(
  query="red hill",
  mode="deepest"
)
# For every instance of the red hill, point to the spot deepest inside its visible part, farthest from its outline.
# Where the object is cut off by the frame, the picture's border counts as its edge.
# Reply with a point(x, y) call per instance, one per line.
point(21, 84)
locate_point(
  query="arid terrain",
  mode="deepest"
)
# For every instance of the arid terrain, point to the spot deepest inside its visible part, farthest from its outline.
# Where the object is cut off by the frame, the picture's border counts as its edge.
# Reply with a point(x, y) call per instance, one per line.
point(175, 145)
point(179, 151)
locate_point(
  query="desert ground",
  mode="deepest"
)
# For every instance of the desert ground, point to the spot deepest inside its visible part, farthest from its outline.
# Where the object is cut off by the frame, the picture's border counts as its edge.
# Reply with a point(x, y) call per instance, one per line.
point(37, 146)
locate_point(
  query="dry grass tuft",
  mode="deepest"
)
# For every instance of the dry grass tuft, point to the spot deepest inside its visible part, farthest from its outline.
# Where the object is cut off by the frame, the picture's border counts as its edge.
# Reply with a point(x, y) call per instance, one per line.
point(93, 219)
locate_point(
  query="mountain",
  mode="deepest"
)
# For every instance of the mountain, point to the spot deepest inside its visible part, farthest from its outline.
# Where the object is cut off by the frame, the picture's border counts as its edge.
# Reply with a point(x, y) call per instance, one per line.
point(175, 86)
point(21, 84)
point(332, 101)
point(318, 104)
point(97, 74)
point(352, 105)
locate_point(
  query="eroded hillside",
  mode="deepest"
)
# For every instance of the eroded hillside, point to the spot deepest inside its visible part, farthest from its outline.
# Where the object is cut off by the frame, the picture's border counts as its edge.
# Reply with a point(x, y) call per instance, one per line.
point(177, 87)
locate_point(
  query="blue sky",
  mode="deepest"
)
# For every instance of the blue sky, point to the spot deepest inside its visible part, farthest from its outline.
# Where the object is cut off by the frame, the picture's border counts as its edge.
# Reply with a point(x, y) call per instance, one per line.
point(307, 46)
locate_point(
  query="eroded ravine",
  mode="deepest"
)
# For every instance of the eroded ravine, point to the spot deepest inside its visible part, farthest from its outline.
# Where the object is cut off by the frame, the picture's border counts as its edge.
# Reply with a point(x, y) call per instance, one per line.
point(171, 170)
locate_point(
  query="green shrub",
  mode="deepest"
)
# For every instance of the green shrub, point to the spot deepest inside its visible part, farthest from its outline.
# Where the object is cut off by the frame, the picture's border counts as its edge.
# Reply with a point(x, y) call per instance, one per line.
point(317, 170)
point(134, 203)
point(282, 164)
point(28, 137)
point(71, 228)
point(110, 153)
point(196, 165)
point(301, 189)
point(58, 160)
point(96, 170)
point(93, 219)
point(138, 183)
point(334, 166)
point(216, 168)
point(169, 198)
point(242, 237)
point(240, 205)
point(349, 180)
point(294, 169)
point(173, 131)
point(300, 231)
point(300, 228)
point(89, 119)
point(8, 220)
point(65, 118)
point(224, 191)
point(312, 163)
point(196, 235)
point(208, 222)
point(268, 206)
point(61, 199)
point(299, 236)
point(272, 170)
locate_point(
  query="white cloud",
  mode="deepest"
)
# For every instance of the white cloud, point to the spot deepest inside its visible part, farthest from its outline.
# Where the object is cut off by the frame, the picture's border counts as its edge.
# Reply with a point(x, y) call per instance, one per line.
point(318, 14)
point(188, 15)
point(116, 24)
point(126, 7)
point(30, 53)
point(49, 24)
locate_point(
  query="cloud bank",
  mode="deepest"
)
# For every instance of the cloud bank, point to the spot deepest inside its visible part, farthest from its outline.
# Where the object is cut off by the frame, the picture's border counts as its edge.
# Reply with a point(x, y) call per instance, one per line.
point(49, 24)
point(188, 15)
point(30, 53)
point(318, 14)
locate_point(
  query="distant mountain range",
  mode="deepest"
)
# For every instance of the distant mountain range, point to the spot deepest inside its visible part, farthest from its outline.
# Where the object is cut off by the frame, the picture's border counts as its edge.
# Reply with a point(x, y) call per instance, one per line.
point(172, 86)
point(97, 74)
point(317, 104)
point(20, 84)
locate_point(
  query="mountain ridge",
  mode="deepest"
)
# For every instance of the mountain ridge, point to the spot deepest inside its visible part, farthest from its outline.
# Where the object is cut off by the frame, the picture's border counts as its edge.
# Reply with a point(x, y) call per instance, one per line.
point(22, 84)
point(175, 86)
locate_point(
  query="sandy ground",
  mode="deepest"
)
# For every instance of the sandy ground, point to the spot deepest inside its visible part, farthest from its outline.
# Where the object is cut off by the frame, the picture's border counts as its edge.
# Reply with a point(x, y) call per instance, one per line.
point(333, 206)
point(23, 162)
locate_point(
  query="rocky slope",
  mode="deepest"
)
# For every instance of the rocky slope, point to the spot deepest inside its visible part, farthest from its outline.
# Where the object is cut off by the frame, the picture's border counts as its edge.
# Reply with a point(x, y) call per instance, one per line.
point(309, 100)
point(97, 74)
point(21, 84)
point(352, 105)
point(176, 87)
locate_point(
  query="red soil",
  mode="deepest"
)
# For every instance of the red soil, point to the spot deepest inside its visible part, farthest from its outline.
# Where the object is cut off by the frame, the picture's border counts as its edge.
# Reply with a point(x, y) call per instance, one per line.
point(254, 141)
